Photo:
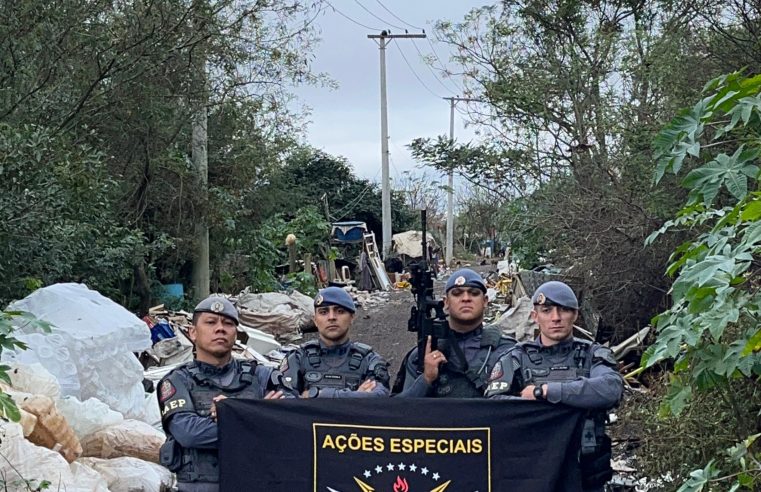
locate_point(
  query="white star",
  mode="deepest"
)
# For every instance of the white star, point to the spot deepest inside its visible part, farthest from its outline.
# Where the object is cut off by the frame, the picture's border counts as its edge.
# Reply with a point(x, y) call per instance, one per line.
point(367, 474)
point(390, 467)
point(424, 471)
point(378, 469)
point(413, 467)
point(435, 476)
point(401, 466)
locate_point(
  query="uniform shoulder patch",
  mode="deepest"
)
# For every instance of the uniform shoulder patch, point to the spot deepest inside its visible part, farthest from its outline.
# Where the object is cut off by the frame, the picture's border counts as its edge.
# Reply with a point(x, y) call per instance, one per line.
point(284, 364)
point(166, 390)
point(497, 371)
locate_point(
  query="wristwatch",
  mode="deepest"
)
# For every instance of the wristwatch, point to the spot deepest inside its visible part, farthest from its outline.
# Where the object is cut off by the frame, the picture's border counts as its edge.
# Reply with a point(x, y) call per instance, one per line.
point(313, 392)
point(538, 392)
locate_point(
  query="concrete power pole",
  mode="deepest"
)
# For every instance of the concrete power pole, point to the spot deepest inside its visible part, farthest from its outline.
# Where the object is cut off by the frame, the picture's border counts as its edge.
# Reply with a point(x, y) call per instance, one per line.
point(449, 253)
point(383, 39)
point(200, 158)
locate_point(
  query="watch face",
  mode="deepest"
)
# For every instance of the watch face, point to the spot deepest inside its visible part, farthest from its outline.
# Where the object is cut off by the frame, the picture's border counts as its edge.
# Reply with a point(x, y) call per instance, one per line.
point(538, 392)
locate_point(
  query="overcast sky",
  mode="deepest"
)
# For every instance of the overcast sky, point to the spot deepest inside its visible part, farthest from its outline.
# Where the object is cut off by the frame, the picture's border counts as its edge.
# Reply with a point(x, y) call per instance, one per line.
point(346, 121)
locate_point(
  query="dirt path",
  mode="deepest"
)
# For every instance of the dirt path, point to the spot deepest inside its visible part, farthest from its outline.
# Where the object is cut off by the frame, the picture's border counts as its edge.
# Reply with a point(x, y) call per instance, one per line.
point(383, 325)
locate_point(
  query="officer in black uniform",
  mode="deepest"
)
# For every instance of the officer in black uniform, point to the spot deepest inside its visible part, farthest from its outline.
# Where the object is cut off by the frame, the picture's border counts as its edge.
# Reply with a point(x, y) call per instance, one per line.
point(333, 366)
point(461, 365)
point(188, 395)
point(558, 368)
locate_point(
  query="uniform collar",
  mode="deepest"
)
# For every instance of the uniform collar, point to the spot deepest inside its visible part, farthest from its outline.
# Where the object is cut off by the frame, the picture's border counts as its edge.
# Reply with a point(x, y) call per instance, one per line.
point(335, 349)
point(564, 346)
point(471, 334)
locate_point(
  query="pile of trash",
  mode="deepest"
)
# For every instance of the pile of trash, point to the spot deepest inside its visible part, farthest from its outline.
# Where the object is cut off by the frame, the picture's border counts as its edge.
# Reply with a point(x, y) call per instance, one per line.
point(86, 422)
point(89, 419)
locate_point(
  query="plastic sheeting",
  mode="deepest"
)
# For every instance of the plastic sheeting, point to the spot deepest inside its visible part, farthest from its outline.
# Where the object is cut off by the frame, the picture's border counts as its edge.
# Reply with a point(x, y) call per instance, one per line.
point(274, 312)
point(22, 461)
point(410, 243)
point(86, 417)
point(90, 349)
point(127, 438)
point(131, 474)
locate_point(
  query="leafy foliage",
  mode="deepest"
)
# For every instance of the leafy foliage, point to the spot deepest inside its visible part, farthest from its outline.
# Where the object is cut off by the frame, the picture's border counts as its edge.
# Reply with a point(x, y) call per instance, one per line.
point(711, 330)
point(41, 173)
point(8, 408)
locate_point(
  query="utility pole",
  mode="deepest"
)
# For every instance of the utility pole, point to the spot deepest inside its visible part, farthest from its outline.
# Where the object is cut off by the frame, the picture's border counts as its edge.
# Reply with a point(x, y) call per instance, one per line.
point(383, 38)
point(449, 253)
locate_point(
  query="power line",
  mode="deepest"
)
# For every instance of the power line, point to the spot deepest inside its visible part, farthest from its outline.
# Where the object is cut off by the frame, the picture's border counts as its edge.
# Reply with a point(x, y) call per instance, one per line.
point(371, 13)
point(448, 89)
point(397, 18)
point(441, 64)
point(350, 19)
point(414, 72)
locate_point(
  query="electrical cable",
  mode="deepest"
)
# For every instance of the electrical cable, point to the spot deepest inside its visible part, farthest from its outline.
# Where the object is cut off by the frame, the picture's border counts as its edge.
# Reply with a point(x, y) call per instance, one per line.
point(352, 20)
point(441, 64)
point(371, 13)
point(397, 17)
point(415, 73)
point(448, 89)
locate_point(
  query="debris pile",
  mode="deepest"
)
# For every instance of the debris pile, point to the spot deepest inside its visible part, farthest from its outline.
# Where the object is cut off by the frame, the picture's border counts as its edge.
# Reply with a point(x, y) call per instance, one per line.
point(79, 391)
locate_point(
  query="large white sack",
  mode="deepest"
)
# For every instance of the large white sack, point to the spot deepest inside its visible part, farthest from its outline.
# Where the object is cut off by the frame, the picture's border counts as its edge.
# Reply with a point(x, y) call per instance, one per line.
point(35, 379)
point(131, 474)
point(87, 478)
point(152, 414)
point(90, 349)
point(22, 460)
point(89, 416)
point(127, 438)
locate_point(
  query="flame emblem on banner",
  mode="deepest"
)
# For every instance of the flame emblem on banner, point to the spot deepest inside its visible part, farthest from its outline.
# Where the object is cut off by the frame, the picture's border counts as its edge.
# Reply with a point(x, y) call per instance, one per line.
point(401, 485)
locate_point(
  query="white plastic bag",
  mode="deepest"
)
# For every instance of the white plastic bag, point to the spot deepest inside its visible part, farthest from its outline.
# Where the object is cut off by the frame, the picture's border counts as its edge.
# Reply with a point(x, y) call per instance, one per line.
point(90, 349)
point(131, 474)
point(127, 438)
point(34, 378)
point(89, 416)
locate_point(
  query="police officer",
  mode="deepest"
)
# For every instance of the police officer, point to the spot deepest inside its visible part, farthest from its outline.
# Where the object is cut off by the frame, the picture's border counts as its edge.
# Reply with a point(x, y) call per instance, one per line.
point(558, 368)
point(188, 395)
point(333, 366)
point(461, 364)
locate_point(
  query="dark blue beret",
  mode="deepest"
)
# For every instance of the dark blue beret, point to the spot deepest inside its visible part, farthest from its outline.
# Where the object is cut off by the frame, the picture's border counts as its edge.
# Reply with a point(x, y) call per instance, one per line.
point(334, 296)
point(218, 305)
point(465, 277)
point(555, 292)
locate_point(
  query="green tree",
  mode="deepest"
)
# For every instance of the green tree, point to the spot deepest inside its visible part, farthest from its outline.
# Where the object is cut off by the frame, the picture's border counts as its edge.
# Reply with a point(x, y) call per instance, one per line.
point(711, 330)
point(571, 94)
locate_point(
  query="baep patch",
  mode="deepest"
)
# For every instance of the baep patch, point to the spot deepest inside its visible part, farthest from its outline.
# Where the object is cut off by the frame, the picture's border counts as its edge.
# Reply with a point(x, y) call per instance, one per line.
point(459, 280)
point(166, 390)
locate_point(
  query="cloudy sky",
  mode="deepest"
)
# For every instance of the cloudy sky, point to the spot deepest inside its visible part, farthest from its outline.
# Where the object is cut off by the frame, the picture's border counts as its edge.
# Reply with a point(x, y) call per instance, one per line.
point(346, 121)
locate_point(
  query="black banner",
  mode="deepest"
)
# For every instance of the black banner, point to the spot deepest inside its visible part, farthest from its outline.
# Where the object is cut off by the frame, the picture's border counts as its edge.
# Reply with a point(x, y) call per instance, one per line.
point(398, 445)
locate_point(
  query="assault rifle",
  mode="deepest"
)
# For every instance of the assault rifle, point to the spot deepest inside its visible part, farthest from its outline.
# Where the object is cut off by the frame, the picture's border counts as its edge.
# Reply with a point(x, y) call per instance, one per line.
point(427, 317)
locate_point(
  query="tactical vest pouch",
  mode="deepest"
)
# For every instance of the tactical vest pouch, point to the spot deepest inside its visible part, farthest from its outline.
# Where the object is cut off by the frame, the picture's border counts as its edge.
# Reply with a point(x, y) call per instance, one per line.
point(170, 454)
point(595, 467)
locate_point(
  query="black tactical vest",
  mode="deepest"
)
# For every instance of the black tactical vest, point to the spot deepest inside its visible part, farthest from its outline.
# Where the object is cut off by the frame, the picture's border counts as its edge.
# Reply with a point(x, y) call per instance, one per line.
point(202, 465)
point(453, 382)
point(558, 363)
point(569, 362)
point(335, 372)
